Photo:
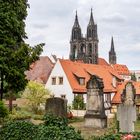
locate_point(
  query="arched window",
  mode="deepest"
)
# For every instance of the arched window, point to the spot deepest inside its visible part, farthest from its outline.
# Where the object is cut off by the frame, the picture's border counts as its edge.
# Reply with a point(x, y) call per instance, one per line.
point(96, 48)
point(74, 51)
point(89, 32)
point(82, 48)
point(90, 49)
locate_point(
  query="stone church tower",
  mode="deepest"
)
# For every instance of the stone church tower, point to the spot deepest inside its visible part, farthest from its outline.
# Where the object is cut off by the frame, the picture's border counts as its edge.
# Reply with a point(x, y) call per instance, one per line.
point(112, 53)
point(84, 48)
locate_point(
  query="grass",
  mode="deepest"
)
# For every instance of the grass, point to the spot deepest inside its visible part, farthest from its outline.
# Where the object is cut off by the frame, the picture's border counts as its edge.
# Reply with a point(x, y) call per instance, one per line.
point(87, 133)
point(137, 126)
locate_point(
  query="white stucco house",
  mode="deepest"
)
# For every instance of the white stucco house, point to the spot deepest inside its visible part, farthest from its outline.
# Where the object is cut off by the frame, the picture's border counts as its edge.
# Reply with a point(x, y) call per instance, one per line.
point(69, 78)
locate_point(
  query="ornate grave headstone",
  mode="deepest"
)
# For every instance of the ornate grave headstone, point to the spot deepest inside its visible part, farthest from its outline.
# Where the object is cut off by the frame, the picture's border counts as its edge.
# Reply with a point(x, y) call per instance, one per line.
point(95, 111)
point(56, 106)
point(126, 112)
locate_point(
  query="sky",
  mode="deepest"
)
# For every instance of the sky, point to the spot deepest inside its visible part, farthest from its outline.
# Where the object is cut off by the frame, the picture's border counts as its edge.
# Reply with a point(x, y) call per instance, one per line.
point(51, 21)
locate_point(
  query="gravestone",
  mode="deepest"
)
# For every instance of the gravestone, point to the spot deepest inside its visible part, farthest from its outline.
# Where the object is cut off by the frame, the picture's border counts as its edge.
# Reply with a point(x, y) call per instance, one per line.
point(126, 112)
point(56, 106)
point(95, 112)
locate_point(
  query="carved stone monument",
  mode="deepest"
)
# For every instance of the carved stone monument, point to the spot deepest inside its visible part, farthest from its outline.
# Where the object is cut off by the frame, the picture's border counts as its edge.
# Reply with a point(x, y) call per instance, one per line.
point(95, 112)
point(126, 112)
point(56, 106)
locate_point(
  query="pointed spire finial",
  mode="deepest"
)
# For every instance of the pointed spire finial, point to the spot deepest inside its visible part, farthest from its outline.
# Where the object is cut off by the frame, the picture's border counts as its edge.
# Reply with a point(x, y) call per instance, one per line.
point(112, 45)
point(91, 21)
point(76, 23)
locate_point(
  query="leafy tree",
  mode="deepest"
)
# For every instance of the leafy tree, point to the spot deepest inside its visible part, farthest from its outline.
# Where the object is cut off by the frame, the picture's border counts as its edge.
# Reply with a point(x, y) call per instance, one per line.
point(78, 102)
point(133, 77)
point(15, 55)
point(36, 95)
point(3, 111)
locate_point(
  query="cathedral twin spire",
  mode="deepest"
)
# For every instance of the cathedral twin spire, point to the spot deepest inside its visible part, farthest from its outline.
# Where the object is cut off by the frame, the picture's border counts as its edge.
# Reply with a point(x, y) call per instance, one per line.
point(76, 22)
point(84, 48)
point(91, 28)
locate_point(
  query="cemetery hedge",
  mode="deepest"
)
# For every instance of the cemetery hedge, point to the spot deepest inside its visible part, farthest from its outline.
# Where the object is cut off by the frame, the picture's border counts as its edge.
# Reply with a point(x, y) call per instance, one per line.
point(53, 128)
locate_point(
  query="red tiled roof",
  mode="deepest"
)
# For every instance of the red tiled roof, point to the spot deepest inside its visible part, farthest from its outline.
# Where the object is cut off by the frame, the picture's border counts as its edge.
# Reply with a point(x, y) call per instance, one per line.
point(102, 61)
point(121, 69)
point(121, 86)
point(85, 70)
point(40, 70)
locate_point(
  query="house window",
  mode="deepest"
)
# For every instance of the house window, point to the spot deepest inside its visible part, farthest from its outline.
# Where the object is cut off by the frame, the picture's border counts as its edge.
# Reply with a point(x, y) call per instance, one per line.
point(107, 98)
point(82, 81)
point(53, 80)
point(63, 96)
point(60, 80)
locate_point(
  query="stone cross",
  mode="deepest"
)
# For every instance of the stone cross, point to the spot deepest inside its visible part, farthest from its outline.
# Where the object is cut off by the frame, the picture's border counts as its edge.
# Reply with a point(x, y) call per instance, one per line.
point(126, 112)
point(95, 111)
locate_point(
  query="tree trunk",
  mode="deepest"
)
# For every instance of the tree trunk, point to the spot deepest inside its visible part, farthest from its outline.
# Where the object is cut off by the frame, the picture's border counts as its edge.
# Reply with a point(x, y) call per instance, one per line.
point(10, 102)
point(1, 86)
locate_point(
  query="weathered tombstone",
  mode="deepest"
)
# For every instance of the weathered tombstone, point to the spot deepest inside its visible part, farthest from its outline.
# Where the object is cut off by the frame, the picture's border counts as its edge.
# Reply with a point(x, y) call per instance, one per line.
point(56, 106)
point(126, 112)
point(95, 112)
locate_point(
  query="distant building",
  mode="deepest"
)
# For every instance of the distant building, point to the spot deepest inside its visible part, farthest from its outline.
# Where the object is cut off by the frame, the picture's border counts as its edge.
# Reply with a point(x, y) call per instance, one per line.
point(122, 70)
point(136, 73)
point(84, 48)
point(40, 70)
point(112, 53)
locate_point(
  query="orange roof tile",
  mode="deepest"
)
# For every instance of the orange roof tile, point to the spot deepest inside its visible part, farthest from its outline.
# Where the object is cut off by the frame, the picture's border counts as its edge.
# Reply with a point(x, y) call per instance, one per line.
point(102, 61)
point(121, 69)
point(73, 69)
point(121, 86)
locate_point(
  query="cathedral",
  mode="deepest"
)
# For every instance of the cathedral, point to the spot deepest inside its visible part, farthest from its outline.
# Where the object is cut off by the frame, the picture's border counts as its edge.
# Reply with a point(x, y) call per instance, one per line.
point(85, 49)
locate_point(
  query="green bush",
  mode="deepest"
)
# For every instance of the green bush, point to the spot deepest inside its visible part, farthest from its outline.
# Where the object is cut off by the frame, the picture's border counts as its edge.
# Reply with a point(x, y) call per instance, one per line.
point(54, 128)
point(78, 102)
point(3, 110)
point(57, 128)
point(19, 115)
point(18, 130)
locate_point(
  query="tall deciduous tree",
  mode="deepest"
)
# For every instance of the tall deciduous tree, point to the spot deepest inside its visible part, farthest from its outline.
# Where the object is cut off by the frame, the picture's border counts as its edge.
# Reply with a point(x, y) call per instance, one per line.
point(15, 55)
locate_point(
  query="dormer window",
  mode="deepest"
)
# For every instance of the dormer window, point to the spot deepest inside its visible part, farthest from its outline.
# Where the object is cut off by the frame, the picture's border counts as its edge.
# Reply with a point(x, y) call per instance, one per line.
point(82, 81)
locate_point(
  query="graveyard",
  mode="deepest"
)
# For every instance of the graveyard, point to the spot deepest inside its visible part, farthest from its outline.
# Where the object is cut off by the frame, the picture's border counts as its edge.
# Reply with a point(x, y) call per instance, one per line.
point(75, 96)
point(93, 125)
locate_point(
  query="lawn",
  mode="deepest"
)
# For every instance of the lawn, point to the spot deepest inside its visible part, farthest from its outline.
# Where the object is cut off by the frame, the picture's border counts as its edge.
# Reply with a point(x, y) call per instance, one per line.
point(88, 132)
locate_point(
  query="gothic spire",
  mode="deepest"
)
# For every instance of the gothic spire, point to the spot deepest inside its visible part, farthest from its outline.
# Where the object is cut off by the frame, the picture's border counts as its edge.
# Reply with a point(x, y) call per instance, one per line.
point(112, 45)
point(91, 21)
point(112, 53)
point(76, 22)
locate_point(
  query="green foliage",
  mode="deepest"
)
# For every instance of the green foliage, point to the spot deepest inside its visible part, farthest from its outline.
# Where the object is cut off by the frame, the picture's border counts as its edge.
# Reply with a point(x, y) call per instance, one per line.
point(78, 102)
point(16, 55)
point(57, 128)
point(107, 137)
point(53, 129)
point(19, 115)
point(113, 125)
point(51, 120)
point(3, 110)
point(18, 130)
point(133, 77)
point(36, 94)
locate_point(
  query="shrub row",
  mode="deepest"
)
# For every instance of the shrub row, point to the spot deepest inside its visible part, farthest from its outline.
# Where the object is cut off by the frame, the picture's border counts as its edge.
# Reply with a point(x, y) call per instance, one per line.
point(53, 128)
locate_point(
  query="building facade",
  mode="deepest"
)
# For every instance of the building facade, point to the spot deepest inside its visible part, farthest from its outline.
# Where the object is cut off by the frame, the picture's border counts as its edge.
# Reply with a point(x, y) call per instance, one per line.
point(84, 48)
